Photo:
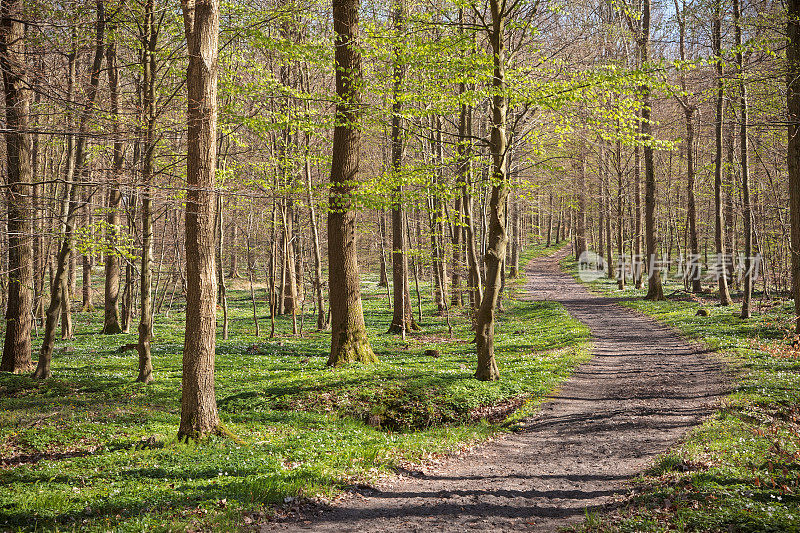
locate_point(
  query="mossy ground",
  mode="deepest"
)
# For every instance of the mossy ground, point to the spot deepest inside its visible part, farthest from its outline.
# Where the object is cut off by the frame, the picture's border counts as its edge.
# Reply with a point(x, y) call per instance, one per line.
point(90, 449)
point(740, 471)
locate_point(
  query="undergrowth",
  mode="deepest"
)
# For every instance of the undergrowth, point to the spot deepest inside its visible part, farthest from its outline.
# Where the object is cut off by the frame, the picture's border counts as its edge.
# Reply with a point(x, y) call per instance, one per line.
point(90, 449)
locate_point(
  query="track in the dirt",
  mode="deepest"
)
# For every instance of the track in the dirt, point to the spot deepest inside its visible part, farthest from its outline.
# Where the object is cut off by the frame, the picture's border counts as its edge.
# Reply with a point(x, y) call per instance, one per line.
point(644, 388)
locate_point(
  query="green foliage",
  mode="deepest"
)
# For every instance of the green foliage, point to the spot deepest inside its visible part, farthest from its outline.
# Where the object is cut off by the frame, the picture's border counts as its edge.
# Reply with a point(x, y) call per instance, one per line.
point(95, 239)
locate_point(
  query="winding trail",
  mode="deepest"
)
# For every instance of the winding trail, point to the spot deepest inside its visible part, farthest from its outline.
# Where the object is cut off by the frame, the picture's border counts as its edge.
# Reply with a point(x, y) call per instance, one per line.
point(643, 390)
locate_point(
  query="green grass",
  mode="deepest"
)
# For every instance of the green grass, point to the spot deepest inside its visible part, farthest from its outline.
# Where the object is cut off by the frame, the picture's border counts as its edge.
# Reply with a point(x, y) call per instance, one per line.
point(90, 449)
point(740, 471)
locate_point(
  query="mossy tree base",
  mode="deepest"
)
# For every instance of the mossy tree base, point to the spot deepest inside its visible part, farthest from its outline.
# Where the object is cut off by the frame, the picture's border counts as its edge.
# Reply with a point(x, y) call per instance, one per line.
point(351, 347)
point(397, 329)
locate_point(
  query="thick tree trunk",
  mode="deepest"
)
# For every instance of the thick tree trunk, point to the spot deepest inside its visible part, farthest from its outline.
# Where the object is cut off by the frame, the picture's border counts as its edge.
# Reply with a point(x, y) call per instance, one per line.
point(719, 237)
point(348, 333)
point(17, 343)
point(747, 215)
point(694, 245)
point(111, 325)
point(497, 238)
point(654, 289)
point(199, 416)
point(793, 152)
point(145, 288)
point(146, 273)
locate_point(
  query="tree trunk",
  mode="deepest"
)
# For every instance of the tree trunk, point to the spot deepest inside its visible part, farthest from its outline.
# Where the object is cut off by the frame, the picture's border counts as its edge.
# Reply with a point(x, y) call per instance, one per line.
point(719, 240)
point(620, 267)
point(654, 289)
point(402, 316)
point(111, 325)
point(513, 270)
point(87, 259)
point(638, 260)
point(199, 416)
point(348, 334)
point(497, 238)
point(17, 343)
point(474, 281)
point(223, 290)
point(322, 317)
point(694, 245)
point(383, 280)
point(550, 221)
point(747, 216)
point(580, 232)
point(146, 274)
point(234, 269)
point(793, 152)
point(251, 266)
point(290, 274)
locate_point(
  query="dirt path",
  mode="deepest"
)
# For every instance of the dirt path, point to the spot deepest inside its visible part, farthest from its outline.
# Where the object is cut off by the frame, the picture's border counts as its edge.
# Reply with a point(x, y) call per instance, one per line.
point(644, 388)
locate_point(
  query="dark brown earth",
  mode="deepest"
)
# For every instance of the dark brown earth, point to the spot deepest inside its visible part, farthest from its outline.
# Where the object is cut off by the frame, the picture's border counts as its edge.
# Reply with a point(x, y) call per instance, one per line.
point(643, 390)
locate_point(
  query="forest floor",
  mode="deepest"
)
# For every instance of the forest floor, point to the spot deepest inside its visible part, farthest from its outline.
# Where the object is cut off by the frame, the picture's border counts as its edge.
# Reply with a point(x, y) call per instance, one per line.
point(415, 442)
point(643, 390)
point(91, 450)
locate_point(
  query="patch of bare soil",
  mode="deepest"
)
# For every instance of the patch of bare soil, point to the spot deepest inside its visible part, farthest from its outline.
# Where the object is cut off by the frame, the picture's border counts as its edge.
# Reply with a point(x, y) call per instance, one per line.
point(643, 390)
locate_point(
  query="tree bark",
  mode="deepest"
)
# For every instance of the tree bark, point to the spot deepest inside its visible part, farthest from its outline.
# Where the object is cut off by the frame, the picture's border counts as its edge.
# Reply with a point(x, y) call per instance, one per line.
point(348, 333)
point(223, 290)
point(87, 259)
point(402, 315)
point(497, 238)
point(322, 316)
point(199, 416)
point(793, 151)
point(111, 325)
point(747, 215)
point(620, 268)
point(475, 283)
point(383, 280)
point(580, 231)
point(146, 274)
point(234, 268)
point(17, 343)
point(719, 237)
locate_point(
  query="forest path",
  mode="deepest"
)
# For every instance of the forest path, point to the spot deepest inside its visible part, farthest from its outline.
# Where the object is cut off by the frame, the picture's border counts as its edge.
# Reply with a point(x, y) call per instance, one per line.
point(644, 389)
